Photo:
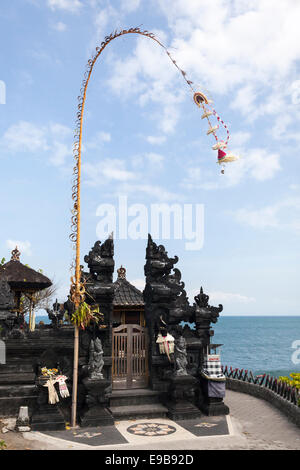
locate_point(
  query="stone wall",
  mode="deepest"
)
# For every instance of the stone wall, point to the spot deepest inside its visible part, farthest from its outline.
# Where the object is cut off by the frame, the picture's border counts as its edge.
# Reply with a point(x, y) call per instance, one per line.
point(289, 409)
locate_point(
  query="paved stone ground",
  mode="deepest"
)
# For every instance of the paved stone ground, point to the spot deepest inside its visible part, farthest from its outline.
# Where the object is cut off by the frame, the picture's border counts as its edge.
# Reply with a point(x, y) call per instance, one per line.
point(264, 426)
point(253, 425)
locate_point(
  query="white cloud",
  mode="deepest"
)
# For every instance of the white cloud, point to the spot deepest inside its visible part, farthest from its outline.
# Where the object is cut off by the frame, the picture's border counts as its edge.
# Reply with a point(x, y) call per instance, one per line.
point(59, 26)
point(128, 174)
point(228, 47)
point(258, 164)
point(60, 131)
point(245, 100)
point(149, 76)
point(138, 283)
point(294, 187)
point(59, 153)
point(261, 218)
point(108, 170)
point(23, 246)
point(235, 45)
point(227, 297)
point(156, 140)
point(129, 6)
point(245, 50)
point(98, 140)
point(72, 6)
point(148, 162)
point(261, 164)
point(114, 169)
point(53, 139)
point(239, 139)
point(25, 136)
point(133, 174)
point(102, 17)
point(284, 215)
point(154, 191)
point(105, 136)
point(219, 297)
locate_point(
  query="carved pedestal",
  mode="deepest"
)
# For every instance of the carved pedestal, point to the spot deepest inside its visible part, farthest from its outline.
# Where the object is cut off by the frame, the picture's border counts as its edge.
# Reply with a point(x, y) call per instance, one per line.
point(46, 417)
point(95, 413)
point(211, 406)
point(181, 389)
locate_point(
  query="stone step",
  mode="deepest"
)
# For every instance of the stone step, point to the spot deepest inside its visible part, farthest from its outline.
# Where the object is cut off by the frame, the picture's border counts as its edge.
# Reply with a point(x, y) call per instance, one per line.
point(134, 397)
point(17, 378)
point(138, 411)
point(10, 367)
point(49, 418)
point(9, 406)
point(16, 390)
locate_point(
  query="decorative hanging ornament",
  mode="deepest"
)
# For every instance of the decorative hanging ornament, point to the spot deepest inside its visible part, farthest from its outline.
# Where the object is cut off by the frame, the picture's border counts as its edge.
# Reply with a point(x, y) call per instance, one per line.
point(223, 157)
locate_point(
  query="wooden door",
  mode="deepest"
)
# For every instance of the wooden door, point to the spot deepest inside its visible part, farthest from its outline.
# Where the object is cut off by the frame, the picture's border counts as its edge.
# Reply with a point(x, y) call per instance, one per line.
point(129, 357)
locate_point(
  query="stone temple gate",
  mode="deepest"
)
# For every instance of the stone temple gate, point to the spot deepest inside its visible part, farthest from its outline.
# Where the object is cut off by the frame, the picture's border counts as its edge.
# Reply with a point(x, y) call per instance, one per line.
point(145, 359)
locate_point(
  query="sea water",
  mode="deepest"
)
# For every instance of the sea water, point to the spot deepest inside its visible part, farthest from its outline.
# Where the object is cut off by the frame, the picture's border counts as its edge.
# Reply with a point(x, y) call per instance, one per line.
point(260, 344)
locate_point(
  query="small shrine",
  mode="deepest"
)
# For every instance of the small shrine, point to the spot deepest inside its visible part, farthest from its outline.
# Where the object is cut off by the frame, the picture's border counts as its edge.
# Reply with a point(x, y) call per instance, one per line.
point(21, 281)
point(128, 302)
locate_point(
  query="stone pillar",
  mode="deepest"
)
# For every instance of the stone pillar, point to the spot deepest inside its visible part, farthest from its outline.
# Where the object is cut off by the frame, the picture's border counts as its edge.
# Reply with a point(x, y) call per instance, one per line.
point(179, 405)
point(166, 306)
point(100, 291)
point(46, 417)
point(95, 412)
point(159, 295)
point(203, 316)
point(211, 406)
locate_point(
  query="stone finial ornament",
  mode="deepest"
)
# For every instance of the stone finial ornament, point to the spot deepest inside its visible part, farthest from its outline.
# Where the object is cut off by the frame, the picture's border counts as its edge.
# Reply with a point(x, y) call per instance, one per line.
point(15, 254)
point(121, 273)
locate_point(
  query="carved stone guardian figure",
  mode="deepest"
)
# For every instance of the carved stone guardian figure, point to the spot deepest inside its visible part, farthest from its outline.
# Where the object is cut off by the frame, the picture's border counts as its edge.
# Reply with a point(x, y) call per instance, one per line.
point(96, 361)
point(56, 315)
point(95, 412)
point(180, 356)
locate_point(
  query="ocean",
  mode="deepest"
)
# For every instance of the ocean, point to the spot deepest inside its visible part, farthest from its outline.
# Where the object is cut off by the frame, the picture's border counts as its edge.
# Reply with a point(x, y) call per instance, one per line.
point(259, 344)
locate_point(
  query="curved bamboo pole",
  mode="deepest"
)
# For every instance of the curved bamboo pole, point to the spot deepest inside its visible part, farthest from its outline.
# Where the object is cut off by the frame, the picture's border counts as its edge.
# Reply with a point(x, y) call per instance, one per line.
point(77, 289)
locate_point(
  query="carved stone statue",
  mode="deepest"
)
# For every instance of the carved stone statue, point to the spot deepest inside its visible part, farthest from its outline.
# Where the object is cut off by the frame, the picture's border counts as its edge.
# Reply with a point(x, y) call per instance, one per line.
point(57, 314)
point(96, 361)
point(164, 288)
point(158, 264)
point(180, 356)
point(100, 260)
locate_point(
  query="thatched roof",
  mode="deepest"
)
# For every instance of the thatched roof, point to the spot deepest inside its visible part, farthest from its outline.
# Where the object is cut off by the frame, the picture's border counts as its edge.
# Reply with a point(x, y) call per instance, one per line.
point(21, 277)
point(125, 294)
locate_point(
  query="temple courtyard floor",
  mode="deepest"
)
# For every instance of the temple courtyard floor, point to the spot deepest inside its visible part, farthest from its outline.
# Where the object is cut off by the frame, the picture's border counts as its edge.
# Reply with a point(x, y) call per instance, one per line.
point(253, 424)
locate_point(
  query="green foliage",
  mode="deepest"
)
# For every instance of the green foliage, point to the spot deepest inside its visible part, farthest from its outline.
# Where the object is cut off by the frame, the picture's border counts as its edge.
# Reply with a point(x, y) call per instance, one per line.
point(85, 314)
point(292, 381)
point(3, 445)
point(2, 261)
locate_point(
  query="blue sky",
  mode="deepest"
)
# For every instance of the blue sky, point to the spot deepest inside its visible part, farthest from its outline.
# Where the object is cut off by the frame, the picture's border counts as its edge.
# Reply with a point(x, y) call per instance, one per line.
point(144, 138)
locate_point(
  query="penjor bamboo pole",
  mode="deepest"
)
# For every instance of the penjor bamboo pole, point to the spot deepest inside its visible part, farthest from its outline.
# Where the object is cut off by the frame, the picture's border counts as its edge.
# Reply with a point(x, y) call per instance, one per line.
point(75, 377)
point(77, 280)
point(76, 287)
